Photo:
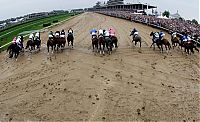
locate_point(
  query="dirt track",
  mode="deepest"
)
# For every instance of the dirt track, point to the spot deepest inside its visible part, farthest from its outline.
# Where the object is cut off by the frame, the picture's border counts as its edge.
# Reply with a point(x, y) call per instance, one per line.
point(78, 84)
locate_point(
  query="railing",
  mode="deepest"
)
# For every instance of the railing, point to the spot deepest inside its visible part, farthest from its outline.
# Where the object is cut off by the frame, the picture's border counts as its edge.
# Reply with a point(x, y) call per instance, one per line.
point(41, 30)
point(152, 25)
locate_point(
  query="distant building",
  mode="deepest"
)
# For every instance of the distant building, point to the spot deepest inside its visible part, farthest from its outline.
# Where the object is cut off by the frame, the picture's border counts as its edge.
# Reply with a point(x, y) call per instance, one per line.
point(175, 16)
point(77, 11)
point(115, 2)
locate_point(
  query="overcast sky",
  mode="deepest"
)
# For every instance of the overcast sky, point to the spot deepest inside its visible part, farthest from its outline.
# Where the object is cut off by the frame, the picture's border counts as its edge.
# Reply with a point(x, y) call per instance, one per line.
point(188, 9)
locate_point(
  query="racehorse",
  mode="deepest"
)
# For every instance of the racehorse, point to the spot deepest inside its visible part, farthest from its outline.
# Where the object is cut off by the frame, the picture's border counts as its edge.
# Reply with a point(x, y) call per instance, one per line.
point(56, 40)
point(60, 42)
point(166, 43)
point(109, 44)
point(136, 38)
point(157, 41)
point(174, 41)
point(95, 43)
point(101, 41)
point(31, 43)
point(51, 43)
point(13, 49)
point(189, 46)
point(70, 38)
point(114, 41)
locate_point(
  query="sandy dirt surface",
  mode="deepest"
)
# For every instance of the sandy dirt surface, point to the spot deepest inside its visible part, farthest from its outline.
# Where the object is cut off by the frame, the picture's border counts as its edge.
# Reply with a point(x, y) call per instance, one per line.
point(80, 85)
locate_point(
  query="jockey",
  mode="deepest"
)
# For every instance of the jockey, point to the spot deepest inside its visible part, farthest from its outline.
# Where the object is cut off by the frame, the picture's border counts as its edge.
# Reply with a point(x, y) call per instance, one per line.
point(111, 32)
point(37, 36)
point(51, 34)
point(106, 34)
point(156, 36)
point(62, 34)
point(174, 35)
point(18, 42)
point(70, 31)
point(161, 35)
point(31, 37)
point(93, 32)
point(135, 32)
point(57, 33)
point(14, 40)
point(185, 38)
point(101, 33)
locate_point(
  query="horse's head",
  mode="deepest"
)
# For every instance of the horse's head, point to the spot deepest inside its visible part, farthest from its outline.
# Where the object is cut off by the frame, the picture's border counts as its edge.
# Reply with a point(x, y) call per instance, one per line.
point(151, 34)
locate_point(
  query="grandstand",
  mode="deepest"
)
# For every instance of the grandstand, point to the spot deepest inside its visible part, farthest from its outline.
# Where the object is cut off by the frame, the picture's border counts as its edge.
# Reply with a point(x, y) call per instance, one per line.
point(115, 2)
point(118, 5)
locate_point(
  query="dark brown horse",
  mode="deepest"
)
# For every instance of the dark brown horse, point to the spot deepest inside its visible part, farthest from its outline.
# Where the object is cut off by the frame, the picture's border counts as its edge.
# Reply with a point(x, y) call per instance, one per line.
point(32, 43)
point(109, 44)
point(13, 49)
point(160, 42)
point(136, 38)
point(114, 41)
point(51, 43)
point(95, 43)
point(70, 39)
point(189, 47)
point(101, 41)
point(62, 42)
point(157, 41)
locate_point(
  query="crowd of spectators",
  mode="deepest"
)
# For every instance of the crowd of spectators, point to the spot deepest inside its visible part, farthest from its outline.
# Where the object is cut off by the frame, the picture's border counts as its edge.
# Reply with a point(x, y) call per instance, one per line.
point(171, 25)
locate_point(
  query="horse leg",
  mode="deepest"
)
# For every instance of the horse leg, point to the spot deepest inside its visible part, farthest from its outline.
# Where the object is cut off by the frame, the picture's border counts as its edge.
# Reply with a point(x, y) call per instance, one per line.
point(103, 48)
point(161, 48)
point(93, 47)
point(48, 48)
point(100, 48)
point(192, 51)
point(57, 47)
point(72, 43)
point(52, 49)
point(196, 48)
point(16, 55)
point(11, 54)
point(188, 51)
point(151, 45)
point(166, 47)
point(97, 46)
point(111, 46)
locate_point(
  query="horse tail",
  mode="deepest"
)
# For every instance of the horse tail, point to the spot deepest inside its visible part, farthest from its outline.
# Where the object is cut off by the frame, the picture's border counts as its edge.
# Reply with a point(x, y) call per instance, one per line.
point(169, 45)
